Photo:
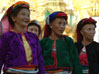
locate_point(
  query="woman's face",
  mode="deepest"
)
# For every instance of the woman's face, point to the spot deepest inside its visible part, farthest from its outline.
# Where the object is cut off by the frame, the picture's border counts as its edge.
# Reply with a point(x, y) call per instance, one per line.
point(88, 31)
point(34, 29)
point(58, 26)
point(22, 18)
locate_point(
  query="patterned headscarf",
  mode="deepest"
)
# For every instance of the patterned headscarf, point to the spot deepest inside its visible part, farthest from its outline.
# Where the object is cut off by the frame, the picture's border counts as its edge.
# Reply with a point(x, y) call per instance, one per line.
point(50, 18)
point(6, 24)
point(81, 24)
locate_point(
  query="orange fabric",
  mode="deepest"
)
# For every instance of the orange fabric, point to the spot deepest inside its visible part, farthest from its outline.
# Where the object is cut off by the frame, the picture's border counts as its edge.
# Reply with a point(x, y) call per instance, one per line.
point(20, 2)
point(55, 71)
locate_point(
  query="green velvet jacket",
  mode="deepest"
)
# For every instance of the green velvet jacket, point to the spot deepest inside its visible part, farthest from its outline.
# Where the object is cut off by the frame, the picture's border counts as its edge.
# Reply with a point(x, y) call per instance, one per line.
point(67, 55)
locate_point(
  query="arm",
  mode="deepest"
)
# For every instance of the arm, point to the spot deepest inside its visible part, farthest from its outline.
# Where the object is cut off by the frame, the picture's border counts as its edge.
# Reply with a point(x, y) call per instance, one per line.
point(40, 60)
point(77, 69)
point(3, 47)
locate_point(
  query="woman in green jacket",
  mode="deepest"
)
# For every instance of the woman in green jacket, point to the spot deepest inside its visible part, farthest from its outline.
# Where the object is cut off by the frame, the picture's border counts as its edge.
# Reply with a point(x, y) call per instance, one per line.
point(59, 52)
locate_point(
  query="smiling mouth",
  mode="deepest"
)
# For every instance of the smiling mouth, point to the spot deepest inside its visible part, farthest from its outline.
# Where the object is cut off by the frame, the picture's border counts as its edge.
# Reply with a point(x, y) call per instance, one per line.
point(61, 30)
point(26, 21)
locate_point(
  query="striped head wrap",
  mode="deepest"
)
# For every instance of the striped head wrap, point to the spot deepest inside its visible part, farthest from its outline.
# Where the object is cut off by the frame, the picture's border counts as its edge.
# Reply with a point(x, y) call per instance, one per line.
point(6, 24)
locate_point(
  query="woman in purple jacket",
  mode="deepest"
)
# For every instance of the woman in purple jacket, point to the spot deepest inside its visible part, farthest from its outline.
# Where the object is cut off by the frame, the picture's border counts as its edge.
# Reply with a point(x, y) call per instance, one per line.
point(20, 50)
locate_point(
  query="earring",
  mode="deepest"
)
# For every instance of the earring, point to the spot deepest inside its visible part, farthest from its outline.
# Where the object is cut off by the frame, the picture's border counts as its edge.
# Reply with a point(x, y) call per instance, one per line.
point(51, 27)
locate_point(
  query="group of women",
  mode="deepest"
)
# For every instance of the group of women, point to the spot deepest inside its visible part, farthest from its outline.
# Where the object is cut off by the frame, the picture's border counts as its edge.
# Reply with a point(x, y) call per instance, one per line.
point(21, 52)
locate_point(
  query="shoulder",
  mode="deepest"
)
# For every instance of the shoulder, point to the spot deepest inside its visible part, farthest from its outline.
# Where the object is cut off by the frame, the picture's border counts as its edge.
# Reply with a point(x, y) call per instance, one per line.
point(8, 35)
point(44, 40)
point(78, 43)
point(95, 42)
point(31, 35)
point(68, 39)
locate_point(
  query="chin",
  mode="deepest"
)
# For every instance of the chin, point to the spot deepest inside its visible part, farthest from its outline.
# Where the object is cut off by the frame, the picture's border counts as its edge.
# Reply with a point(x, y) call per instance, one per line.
point(24, 25)
point(59, 34)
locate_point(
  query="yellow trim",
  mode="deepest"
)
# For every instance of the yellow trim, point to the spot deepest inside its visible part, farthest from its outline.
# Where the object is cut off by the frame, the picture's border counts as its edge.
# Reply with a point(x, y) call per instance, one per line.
point(27, 48)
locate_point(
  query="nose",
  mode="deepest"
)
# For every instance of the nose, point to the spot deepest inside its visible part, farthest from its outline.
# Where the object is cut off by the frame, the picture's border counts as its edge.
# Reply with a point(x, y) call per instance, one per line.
point(93, 31)
point(27, 17)
point(63, 26)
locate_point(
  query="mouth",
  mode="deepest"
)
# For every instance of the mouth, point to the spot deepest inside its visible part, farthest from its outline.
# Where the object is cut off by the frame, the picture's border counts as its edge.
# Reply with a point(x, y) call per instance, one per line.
point(26, 21)
point(61, 31)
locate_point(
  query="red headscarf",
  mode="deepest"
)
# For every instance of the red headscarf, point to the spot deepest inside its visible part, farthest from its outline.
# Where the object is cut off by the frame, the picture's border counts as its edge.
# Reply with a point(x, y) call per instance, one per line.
point(81, 24)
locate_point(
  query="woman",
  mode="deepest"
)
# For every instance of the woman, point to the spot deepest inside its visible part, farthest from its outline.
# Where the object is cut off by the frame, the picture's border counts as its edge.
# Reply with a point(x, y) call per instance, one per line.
point(34, 27)
point(88, 49)
point(59, 52)
point(20, 50)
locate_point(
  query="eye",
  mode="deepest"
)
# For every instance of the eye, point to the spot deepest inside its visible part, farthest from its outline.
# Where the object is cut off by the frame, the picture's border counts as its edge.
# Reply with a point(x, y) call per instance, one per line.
point(23, 14)
point(35, 30)
point(59, 22)
point(64, 24)
point(89, 29)
point(93, 28)
point(28, 15)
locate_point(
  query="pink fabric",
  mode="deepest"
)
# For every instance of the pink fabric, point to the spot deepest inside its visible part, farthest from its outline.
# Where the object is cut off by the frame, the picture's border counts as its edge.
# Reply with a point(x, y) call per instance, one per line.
point(5, 24)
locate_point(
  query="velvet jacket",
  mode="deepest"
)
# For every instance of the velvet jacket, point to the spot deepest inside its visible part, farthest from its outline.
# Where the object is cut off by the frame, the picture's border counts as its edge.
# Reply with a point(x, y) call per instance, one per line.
point(12, 53)
point(67, 56)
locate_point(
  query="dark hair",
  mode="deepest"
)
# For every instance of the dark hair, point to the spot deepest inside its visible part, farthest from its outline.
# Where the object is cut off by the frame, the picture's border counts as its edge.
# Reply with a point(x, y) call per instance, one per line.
point(33, 23)
point(14, 14)
point(81, 24)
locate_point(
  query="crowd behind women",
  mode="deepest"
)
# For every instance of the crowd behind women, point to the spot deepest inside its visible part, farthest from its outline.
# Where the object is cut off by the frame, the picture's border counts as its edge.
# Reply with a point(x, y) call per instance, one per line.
point(23, 52)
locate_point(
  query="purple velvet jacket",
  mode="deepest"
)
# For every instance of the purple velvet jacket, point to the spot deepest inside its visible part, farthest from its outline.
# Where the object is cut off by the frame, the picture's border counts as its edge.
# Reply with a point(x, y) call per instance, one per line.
point(12, 53)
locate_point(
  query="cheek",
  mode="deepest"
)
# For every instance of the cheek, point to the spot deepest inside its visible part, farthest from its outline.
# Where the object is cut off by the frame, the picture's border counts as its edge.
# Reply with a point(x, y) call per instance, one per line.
point(83, 33)
point(86, 34)
point(55, 29)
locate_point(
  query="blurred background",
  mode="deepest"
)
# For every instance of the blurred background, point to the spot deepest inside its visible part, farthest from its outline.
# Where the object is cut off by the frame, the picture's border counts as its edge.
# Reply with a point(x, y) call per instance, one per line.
point(76, 10)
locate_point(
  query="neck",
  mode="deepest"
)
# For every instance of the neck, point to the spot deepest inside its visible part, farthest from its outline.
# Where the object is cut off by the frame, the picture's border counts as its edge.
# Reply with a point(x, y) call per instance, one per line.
point(19, 29)
point(86, 42)
point(54, 36)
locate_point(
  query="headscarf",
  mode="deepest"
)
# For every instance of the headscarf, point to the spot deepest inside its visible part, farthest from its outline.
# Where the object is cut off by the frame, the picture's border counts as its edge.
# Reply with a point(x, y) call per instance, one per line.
point(50, 18)
point(81, 24)
point(6, 24)
point(34, 22)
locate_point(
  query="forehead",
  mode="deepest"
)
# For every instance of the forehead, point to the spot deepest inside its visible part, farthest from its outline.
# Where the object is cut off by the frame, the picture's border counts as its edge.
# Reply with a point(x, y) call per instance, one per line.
point(60, 18)
point(89, 26)
point(24, 10)
point(33, 26)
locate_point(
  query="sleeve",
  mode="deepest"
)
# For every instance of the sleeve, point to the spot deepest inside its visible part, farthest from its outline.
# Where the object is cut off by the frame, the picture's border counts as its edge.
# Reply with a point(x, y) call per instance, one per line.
point(77, 69)
point(40, 60)
point(42, 45)
point(94, 61)
point(3, 48)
